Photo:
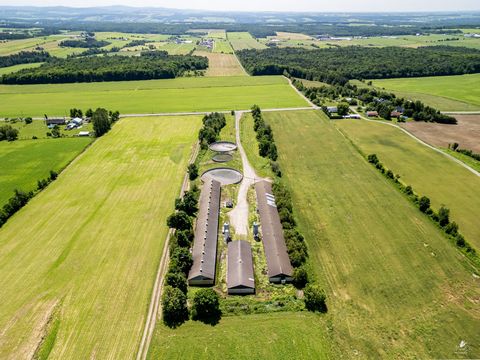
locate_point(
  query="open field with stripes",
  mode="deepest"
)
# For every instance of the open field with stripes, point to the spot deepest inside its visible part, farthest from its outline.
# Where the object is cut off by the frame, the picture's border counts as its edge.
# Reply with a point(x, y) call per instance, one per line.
point(447, 93)
point(427, 171)
point(23, 163)
point(150, 96)
point(243, 40)
point(393, 279)
point(222, 64)
point(80, 276)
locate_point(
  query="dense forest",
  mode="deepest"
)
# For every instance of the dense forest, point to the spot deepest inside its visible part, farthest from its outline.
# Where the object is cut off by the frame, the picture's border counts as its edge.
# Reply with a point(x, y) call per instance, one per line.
point(150, 65)
point(86, 43)
point(24, 57)
point(338, 65)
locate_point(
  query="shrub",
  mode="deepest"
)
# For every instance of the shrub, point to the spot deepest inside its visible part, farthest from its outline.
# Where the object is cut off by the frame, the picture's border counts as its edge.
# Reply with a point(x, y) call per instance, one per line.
point(315, 298)
point(424, 204)
point(460, 240)
point(53, 175)
point(408, 190)
point(181, 260)
point(192, 171)
point(188, 203)
point(300, 277)
point(28, 120)
point(174, 307)
point(180, 221)
point(206, 306)
point(8, 133)
point(276, 168)
point(443, 216)
point(372, 158)
point(452, 228)
point(176, 280)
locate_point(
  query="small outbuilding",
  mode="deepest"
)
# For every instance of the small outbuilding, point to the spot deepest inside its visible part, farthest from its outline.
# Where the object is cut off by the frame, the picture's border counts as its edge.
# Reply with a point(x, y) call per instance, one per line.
point(240, 277)
point(54, 122)
point(372, 113)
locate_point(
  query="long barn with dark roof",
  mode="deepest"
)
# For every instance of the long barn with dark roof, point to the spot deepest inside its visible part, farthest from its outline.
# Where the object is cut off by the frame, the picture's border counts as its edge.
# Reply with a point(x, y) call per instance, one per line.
point(240, 277)
point(206, 236)
point(279, 268)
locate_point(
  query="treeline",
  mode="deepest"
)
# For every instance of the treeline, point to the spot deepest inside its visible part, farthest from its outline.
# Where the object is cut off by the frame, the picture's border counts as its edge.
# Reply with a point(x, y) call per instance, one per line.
point(21, 198)
point(381, 101)
point(85, 43)
point(456, 147)
point(441, 218)
point(338, 65)
point(24, 57)
point(212, 125)
point(314, 296)
point(157, 65)
point(206, 302)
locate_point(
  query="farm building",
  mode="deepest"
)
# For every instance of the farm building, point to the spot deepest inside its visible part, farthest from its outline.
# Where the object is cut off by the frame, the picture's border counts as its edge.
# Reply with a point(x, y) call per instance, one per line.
point(58, 121)
point(240, 278)
point(332, 109)
point(279, 268)
point(372, 113)
point(206, 235)
point(395, 114)
point(352, 116)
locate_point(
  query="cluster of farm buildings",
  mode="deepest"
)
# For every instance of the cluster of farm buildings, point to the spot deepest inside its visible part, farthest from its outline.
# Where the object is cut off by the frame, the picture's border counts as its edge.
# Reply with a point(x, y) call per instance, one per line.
point(75, 123)
point(240, 270)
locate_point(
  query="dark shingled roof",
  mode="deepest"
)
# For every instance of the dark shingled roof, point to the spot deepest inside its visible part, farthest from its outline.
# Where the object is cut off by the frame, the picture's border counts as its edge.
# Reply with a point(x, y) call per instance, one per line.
point(240, 265)
point(278, 261)
point(206, 235)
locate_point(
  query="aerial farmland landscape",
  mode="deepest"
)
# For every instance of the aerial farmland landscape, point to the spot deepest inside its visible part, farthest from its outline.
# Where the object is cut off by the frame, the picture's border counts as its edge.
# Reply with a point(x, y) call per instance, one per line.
point(251, 180)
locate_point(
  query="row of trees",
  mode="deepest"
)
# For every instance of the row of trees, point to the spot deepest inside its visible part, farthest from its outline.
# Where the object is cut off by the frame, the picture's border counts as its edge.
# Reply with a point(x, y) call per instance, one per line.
point(338, 65)
point(206, 302)
point(85, 43)
point(467, 152)
point(103, 120)
point(442, 217)
point(266, 143)
point(212, 125)
point(24, 57)
point(157, 65)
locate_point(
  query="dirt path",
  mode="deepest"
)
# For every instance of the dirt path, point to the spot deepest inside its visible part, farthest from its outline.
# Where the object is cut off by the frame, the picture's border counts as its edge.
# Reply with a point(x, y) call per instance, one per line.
point(459, 162)
point(302, 95)
point(154, 310)
point(239, 215)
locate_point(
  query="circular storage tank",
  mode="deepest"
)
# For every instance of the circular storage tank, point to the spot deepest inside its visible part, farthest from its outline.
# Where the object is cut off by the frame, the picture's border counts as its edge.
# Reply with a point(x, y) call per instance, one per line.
point(226, 176)
point(223, 146)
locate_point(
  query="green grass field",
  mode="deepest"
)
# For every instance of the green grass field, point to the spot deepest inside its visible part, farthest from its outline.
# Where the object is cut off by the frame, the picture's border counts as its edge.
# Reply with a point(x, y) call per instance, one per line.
point(13, 46)
point(15, 68)
point(397, 288)
point(428, 172)
point(447, 93)
point(243, 40)
point(222, 46)
point(152, 96)
point(23, 163)
point(83, 254)
point(265, 336)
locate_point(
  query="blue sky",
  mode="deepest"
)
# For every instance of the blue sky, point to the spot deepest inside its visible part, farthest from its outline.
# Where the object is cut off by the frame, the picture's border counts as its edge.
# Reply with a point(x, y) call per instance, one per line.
point(273, 5)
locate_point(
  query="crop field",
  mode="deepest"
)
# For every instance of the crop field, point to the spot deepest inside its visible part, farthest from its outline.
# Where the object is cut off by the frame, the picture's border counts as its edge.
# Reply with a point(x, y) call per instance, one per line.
point(393, 280)
point(10, 47)
point(222, 46)
point(243, 40)
point(23, 163)
point(222, 64)
point(264, 336)
point(80, 276)
point(177, 49)
point(150, 96)
point(447, 93)
point(428, 172)
point(217, 34)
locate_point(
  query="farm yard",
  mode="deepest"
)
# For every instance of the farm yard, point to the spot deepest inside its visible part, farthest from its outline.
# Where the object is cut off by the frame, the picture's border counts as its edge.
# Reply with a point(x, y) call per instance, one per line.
point(369, 254)
point(152, 96)
point(428, 172)
point(447, 93)
point(104, 218)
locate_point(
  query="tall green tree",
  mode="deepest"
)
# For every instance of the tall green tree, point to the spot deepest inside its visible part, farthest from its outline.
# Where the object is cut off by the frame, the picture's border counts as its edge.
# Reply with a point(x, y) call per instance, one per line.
point(101, 122)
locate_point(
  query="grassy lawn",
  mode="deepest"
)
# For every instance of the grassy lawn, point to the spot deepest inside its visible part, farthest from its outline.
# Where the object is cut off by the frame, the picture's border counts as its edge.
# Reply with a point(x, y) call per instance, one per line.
point(265, 336)
point(396, 287)
point(447, 93)
point(153, 96)
point(428, 172)
point(23, 163)
point(83, 253)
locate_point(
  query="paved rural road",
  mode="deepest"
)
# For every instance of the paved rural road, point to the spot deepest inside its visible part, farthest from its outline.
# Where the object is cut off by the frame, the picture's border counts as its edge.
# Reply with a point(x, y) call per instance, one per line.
point(461, 163)
point(461, 112)
point(239, 215)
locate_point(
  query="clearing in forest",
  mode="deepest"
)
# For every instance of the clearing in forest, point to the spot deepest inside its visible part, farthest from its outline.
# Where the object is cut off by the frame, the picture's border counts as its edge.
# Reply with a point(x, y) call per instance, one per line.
point(78, 262)
point(393, 280)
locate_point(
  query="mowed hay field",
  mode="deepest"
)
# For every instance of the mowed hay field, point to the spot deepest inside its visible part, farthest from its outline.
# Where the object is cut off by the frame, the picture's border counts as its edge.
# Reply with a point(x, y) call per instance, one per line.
point(397, 288)
point(150, 96)
point(222, 64)
point(447, 93)
point(263, 336)
point(83, 254)
point(428, 172)
point(243, 40)
point(23, 163)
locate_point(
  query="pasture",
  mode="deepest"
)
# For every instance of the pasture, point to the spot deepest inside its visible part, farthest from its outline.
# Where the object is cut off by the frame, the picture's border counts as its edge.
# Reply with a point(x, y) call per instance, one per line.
point(428, 172)
point(150, 96)
point(264, 336)
point(393, 280)
point(222, 46)
point(23, 163)
point(88, 260)
point(15, 68)
point(222, 64)
point(243, 40)
point(447, 93)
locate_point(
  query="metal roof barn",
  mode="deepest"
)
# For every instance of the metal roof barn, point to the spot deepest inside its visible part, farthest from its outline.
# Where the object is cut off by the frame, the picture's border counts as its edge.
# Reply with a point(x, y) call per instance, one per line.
point(240, 277)
point(206, 236)
point(279, 268)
